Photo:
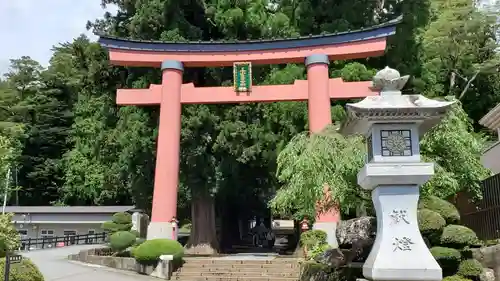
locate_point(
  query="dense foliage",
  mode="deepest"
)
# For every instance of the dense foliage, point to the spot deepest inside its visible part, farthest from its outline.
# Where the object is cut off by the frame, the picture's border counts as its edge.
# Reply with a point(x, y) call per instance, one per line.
point(335, 161)
point(449, 244)
point(9, 237)
point(25, 270)
point(67, 142)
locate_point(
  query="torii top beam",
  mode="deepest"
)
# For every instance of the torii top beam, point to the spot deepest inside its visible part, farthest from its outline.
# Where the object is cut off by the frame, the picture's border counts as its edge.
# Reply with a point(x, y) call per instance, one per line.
point(361, 43)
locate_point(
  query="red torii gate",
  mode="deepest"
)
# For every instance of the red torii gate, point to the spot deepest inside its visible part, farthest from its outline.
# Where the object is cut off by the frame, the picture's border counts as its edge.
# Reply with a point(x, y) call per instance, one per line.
point(172, 57)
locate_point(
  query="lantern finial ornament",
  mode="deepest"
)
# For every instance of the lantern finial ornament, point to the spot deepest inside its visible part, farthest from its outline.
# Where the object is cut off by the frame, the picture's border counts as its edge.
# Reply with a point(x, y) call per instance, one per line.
point(389, 81)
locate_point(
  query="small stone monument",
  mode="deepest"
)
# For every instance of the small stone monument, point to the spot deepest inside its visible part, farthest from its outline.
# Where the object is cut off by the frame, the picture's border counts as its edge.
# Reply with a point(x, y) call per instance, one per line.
point(136, 217)
point(392, 124)
point(140, 222)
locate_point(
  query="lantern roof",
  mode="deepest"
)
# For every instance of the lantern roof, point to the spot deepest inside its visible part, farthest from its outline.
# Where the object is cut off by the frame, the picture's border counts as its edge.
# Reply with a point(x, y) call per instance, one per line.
point(393, 107)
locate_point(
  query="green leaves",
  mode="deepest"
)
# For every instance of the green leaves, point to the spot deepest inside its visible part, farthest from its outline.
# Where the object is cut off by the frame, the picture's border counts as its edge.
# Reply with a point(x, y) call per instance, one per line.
point(307, 164)
point(456, 150)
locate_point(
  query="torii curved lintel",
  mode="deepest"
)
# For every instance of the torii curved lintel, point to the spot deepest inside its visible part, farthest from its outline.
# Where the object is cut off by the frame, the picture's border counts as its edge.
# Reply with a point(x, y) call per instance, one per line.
point(345, 45)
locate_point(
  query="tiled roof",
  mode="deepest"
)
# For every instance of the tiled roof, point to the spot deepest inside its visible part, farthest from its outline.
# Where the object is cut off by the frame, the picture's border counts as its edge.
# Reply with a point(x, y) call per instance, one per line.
point(377, 31)
point(67, 209)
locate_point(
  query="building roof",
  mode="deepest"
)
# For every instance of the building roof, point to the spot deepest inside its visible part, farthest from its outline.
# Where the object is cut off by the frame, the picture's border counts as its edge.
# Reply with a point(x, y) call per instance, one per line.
point(67, 209)
point(492, 119)
point(378, 31)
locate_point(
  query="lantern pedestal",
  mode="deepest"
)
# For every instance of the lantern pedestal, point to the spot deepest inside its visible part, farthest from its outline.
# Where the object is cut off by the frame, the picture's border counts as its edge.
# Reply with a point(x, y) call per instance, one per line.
point(399, 251)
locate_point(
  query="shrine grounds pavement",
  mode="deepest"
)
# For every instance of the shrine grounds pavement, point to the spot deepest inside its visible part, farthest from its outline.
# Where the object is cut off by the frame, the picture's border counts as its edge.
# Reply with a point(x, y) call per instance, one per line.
point(55, 266)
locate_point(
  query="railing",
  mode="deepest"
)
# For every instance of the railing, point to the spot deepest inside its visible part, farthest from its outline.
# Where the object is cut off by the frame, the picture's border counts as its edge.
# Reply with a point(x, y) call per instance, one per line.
point(61, 241)
point(485, 221)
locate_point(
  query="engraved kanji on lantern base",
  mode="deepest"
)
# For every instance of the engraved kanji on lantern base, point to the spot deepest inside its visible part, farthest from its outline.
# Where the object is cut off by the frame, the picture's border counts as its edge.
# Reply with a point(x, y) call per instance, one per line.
point(393, 124)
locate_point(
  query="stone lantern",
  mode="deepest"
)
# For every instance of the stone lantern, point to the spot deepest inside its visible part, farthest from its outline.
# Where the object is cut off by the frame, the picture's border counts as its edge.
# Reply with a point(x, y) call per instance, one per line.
point(392, 124)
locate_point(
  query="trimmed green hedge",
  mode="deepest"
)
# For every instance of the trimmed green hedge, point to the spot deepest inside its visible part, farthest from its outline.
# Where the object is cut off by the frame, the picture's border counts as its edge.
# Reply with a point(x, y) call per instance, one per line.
point(456, 278)
point(448, 259)
point(122, 218)
point(26, 270)
point(458, 236)
point(430, 221)
point(150, 251)
point(470, 268)
point(119, 222)
point(121, 240)
point(447, 210)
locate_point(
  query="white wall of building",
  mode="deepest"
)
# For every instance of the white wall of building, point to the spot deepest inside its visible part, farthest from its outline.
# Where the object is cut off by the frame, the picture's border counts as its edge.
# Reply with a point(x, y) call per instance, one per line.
point(54, 230)
point(490, 158)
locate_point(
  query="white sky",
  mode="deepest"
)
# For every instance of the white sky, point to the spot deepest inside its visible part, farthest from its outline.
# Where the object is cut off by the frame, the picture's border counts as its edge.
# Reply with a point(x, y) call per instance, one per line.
point(32, 27)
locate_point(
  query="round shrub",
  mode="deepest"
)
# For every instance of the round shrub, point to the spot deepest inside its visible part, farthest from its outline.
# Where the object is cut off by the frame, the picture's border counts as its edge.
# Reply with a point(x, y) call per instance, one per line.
point(455, 278)
point(122, 218)
point(313, 237)
point(458, 236)
point(113, 227)
point(447, 210)
point(430, 221)
point(150, 251)
point(121, 240)
point(448, 259)
point(25, 270)
point(470, 268)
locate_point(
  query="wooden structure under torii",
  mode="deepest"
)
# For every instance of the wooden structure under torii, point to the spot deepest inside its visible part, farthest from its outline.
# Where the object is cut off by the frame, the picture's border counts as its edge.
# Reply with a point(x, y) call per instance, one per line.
point(173, 57)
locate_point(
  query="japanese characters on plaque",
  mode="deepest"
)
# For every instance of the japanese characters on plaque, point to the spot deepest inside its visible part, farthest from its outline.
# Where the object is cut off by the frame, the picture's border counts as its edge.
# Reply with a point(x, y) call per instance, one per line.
point(403, 244)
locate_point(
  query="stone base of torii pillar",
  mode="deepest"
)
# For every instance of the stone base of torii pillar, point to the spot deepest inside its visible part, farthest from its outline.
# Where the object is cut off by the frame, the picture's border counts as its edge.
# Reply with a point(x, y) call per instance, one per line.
point(392, 124)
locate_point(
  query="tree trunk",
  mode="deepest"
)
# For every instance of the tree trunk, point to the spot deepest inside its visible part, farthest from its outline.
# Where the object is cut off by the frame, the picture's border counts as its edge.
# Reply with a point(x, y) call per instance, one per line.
point(203, 238)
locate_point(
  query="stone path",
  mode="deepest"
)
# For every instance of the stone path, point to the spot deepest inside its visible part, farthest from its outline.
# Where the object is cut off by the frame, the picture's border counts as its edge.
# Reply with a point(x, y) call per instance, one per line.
point(54, 265)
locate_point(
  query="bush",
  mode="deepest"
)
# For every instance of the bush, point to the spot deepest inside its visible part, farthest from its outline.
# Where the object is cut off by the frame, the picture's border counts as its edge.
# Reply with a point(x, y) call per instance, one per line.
point(447, 210)
point(119, 222)
point(458, 236)
point(430, 221)
point(9, 237)
point(448, 259)
point(470, 268)
point(122, 218)
point(112, 227)
point(23, 271)
point(121, 240)
point(317, 250)
point(312, 238)
point(456, 278)
point(150, 251)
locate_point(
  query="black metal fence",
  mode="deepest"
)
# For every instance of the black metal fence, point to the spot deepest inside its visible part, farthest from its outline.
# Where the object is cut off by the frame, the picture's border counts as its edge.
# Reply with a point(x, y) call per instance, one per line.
point(485, 220)
point(61, 241)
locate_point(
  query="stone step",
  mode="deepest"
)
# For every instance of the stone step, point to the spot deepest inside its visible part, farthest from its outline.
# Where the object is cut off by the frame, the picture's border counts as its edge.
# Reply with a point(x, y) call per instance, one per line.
point(242, 265)
point(246, 278)
point(279, 261)
point(238, 274)
point(241, 269)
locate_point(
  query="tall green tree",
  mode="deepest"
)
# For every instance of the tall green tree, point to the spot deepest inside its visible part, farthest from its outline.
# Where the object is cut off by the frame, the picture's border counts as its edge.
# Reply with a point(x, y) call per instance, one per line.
point(45, 113)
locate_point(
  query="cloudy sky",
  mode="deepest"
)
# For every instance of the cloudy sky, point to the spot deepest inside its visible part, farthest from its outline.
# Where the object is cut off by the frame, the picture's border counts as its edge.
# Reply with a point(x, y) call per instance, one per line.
point(32, 27)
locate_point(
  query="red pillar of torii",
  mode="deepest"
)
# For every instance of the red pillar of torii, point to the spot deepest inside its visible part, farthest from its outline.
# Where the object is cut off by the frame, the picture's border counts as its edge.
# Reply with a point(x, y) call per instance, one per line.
point(318, 90)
